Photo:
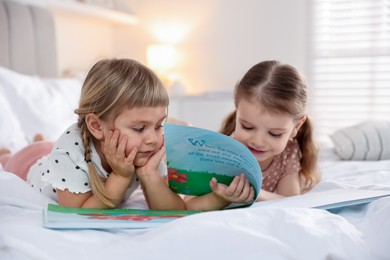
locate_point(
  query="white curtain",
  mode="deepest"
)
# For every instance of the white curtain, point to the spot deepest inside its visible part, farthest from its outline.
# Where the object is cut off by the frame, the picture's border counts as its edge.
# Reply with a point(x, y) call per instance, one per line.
point(349, 72)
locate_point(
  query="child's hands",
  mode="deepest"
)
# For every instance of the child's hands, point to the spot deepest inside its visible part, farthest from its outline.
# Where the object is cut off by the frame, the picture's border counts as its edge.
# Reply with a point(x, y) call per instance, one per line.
point(113, 148)
point(151, 168)
point(239, 190)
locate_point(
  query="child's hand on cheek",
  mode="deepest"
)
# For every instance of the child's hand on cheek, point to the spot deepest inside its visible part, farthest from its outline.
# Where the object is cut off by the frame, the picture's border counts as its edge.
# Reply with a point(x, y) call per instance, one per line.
point(151, 168)
point(114, 150)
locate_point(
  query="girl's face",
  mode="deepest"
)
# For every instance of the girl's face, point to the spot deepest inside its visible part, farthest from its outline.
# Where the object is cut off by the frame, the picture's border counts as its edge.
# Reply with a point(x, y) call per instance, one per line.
point(144, 128)
point(265, 134)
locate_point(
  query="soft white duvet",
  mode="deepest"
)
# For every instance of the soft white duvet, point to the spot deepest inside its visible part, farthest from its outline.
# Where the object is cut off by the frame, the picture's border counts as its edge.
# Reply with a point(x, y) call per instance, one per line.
point(359, 232)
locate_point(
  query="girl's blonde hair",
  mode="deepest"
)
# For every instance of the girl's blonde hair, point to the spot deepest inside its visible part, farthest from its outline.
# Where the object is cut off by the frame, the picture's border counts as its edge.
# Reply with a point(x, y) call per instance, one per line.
point(280, 88)
point(112, 85)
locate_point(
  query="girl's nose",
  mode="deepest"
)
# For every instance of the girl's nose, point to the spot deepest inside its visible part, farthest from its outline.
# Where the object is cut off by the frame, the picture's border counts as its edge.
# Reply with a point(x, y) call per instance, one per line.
point(258, 140)
point(152, 137)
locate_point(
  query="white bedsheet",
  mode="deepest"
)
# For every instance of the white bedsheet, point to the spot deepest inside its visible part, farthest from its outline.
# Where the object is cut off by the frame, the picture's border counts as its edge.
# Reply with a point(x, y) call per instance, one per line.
point(360, 232)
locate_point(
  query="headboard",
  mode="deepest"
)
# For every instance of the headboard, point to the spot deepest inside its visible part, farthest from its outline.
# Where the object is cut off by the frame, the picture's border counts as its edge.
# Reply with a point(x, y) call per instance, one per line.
point(27, 39)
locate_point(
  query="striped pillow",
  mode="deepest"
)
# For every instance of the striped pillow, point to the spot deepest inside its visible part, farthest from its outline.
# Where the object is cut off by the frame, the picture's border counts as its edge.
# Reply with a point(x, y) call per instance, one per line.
point(366, 141)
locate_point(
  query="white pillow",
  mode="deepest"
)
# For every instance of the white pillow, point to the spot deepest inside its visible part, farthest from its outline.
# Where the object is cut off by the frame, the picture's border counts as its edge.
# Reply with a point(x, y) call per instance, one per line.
point(11, 133)
point(365, 141)
point(43, 106)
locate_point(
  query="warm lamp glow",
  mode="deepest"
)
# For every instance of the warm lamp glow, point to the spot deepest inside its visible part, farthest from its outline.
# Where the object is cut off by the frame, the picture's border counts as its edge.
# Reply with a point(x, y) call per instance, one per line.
point(161, 57)
point(170, 32)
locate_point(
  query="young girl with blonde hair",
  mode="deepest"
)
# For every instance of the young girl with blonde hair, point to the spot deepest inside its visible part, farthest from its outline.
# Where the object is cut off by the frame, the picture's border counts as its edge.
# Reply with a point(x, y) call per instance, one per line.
point(116, 145)
point(270, 120)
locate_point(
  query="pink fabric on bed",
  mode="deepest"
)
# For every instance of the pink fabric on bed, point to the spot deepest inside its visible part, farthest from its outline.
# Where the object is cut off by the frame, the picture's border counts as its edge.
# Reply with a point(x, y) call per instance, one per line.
point(4, 159)
point(20, 162)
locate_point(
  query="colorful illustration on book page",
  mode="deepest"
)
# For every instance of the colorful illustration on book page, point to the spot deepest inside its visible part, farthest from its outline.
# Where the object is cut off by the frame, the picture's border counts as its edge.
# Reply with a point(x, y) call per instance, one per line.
point(196, 155)
point(67, 217)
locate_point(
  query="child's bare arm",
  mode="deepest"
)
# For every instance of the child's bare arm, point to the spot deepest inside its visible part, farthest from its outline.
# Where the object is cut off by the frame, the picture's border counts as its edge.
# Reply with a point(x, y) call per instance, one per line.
point(289, 185)
point(157, 193)
point(121, 176)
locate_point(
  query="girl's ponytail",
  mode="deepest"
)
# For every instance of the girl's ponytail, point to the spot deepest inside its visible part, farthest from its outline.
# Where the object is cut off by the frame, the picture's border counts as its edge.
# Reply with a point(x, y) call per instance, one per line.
point(309, 155)
point(96, 182)
point(228, 124)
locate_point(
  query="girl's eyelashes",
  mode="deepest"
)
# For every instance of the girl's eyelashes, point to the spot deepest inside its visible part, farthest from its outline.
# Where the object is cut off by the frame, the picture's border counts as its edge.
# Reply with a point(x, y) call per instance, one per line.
point(142, 128)
point(275, 134)
point(246, 127)
point(139, 129)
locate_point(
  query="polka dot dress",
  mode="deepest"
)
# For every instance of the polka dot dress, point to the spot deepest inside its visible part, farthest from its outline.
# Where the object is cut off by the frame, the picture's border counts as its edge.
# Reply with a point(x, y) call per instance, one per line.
point(66, 168)
point(285, 163)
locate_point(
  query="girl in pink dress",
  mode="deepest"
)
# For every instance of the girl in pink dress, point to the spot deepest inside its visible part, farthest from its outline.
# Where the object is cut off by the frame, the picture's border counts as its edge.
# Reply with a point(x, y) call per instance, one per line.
point(270, 119)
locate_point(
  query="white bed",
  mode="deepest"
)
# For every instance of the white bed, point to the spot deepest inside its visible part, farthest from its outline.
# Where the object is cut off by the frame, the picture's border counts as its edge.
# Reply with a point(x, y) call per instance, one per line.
point(359, 232)
point(271, 232)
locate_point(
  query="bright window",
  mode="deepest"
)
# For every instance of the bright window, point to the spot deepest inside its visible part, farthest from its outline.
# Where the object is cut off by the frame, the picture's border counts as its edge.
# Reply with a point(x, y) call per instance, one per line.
point(350, 62)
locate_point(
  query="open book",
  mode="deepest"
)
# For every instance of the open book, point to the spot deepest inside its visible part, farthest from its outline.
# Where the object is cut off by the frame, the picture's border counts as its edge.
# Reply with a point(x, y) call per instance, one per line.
point(327, 199)
point(59, 217)
point(195, 155)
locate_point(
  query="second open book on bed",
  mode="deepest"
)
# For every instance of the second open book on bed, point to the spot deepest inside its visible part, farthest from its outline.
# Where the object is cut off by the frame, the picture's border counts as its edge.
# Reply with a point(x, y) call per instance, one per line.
point(58, 217)
point(331, 200)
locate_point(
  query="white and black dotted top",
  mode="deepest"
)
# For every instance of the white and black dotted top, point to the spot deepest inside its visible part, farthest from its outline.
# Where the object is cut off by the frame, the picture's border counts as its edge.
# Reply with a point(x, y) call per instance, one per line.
point(65, 167)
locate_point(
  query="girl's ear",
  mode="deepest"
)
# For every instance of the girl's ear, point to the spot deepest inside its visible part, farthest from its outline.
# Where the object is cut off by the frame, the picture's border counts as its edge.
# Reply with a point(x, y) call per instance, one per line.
point(94, 125)
point(298, 126)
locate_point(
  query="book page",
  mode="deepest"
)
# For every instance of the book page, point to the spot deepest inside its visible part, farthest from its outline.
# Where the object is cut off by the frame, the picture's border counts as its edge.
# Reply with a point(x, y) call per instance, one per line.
point(328, 199)
point(60, 217)
point(196, 155)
